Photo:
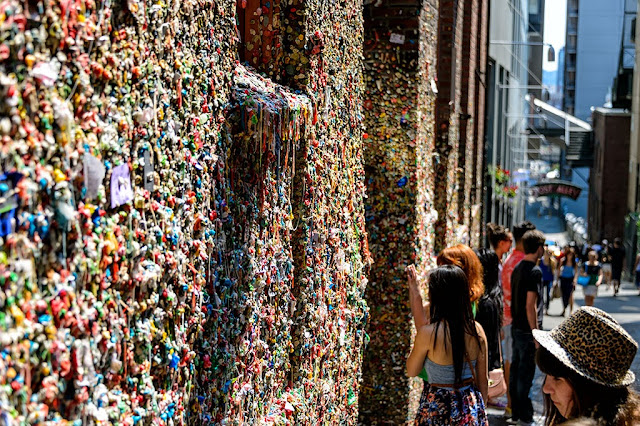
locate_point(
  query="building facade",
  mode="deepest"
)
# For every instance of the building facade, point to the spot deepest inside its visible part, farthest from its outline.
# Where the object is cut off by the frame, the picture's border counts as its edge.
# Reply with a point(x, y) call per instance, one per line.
point(592, 57)
point(608, 184)
point(507, 85)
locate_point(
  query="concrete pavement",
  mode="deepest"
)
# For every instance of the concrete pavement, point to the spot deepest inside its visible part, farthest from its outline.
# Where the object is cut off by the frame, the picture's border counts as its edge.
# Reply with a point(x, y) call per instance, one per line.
point(625, 308)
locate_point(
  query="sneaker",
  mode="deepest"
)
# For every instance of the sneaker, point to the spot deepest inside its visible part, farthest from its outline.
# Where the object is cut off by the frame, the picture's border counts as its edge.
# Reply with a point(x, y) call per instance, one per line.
point(511, 421)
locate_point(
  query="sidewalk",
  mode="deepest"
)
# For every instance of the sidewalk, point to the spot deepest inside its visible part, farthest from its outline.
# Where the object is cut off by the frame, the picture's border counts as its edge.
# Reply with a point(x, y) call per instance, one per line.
point(625, 308)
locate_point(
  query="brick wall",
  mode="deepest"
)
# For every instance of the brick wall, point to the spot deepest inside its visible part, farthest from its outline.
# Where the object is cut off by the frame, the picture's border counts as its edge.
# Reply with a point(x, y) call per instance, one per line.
point(478, 184)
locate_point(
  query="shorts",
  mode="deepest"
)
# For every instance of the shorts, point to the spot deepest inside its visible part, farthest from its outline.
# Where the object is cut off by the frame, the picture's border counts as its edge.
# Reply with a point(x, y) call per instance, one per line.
point(507, 344)
point(590, 290)
point(606, 267)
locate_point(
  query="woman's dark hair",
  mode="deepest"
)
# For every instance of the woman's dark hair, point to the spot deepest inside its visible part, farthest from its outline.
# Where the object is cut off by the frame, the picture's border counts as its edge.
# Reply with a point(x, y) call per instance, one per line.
point(450, 307)
point(491, 272)
point(566, 257)
point(608, 405)
point(496, 233)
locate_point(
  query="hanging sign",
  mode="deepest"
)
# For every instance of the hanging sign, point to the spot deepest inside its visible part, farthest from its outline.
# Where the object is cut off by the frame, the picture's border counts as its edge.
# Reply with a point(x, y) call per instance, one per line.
point(556, 187)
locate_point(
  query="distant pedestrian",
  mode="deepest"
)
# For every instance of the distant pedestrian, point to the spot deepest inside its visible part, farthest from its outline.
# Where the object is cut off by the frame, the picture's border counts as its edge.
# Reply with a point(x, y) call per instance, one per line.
point(568, 273)
point(590, 278)
point(618, 255)
point(526, 310)
point(453, 350)
point(604, 257)
point(548, 267)
point(586, 360)
point(505, 278)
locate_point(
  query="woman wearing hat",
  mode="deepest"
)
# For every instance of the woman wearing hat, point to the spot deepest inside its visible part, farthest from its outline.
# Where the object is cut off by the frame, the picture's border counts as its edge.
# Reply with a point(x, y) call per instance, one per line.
point(587, 359)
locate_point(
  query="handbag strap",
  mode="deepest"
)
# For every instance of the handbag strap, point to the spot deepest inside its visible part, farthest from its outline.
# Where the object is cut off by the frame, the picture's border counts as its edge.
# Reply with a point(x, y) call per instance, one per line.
point(500, 350)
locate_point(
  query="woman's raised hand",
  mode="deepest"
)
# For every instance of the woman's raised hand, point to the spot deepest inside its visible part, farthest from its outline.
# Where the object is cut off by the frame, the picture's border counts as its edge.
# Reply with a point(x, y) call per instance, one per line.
point(412, 276)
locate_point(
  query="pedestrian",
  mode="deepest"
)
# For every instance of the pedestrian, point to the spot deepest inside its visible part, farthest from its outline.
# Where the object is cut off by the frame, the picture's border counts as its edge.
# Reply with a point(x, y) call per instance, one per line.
point(459, 255)
point(617, 255)
point(567, 274)
point(563, 253)
point(489, 314)
point(453, 350)
point(526, 309)
point(500, 239)
point(586, 360)
point(548, 267)
point(590, 278)
point(505, 278)
point(604, 257)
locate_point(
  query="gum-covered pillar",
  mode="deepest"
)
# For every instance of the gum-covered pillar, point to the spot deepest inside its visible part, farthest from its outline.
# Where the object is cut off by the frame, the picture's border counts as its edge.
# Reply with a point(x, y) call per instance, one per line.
point(400, 45)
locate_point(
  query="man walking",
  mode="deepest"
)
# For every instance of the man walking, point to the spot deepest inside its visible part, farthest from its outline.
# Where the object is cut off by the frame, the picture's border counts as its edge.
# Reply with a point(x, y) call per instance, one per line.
point(617, 255)
point(505, 277)
point(526, 311)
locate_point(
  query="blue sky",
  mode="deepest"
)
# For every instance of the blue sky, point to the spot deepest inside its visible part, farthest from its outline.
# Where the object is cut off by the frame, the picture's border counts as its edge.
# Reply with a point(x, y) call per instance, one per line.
point(555, 21)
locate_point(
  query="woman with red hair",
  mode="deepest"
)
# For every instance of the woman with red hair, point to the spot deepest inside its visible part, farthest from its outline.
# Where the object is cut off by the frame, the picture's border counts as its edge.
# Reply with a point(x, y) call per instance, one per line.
point(465, 258)
point(461, 256)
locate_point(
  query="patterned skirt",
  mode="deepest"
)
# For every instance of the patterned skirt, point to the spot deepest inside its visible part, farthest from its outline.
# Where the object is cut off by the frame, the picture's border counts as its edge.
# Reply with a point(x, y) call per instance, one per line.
point(448, 406)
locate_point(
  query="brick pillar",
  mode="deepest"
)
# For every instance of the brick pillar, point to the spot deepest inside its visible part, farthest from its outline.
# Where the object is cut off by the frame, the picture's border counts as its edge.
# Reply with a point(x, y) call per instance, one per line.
point(468, 101)
point(446, 117)
point(477, 188)
point(400, 62)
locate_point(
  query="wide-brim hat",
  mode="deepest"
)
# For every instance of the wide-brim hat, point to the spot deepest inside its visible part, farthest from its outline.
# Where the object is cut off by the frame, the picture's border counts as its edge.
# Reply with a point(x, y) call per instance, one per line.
point(593, 344)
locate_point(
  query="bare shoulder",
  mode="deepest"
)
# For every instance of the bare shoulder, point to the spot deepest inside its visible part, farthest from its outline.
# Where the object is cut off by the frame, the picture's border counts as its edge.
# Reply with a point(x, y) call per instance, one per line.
point(425, 332)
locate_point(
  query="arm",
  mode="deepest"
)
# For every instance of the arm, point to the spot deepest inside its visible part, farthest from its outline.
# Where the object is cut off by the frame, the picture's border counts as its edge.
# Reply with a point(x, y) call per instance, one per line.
point(532, 309)
point(418, 310)
point(637, 260)
point(419, 352)
point(482, 364)
point(599, 278)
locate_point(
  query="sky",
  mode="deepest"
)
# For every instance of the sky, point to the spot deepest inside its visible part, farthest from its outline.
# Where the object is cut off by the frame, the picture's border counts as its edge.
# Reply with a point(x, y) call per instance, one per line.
point(555, 21)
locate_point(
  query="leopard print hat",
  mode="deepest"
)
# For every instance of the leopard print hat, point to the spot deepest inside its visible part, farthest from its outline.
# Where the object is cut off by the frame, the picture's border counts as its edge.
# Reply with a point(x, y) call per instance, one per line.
point(593, 344)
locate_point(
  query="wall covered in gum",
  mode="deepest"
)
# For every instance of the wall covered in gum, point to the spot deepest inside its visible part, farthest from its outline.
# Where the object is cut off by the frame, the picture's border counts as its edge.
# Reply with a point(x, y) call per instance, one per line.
point(183, 240)
point(400, 43)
